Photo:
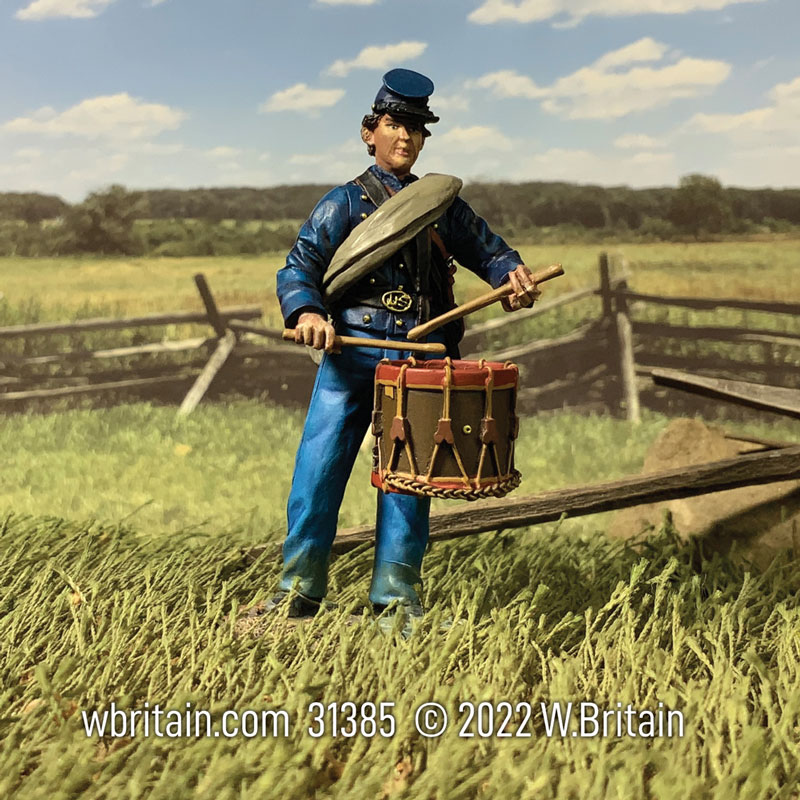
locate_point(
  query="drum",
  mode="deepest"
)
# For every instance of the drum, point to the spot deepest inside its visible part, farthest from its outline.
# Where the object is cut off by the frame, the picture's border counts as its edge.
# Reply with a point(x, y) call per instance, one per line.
point(445, 428)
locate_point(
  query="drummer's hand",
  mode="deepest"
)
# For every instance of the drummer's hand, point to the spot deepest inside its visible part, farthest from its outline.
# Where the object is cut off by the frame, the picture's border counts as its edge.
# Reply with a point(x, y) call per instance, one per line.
point(315, 331)
point(525, 291)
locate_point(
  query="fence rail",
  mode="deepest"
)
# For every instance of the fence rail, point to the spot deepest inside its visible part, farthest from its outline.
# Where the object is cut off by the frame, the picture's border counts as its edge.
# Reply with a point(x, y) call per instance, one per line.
point(108, 323)
point(605, 362)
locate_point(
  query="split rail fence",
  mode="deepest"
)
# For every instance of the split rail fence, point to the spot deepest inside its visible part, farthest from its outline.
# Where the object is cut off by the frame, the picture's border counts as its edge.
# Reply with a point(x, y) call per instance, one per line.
point(614, 359)
point(43, 362)
point(620, 361)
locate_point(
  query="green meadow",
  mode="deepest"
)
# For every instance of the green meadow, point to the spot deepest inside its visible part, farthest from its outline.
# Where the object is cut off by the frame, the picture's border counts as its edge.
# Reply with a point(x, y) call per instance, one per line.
point(121, 574)
point(59, 287)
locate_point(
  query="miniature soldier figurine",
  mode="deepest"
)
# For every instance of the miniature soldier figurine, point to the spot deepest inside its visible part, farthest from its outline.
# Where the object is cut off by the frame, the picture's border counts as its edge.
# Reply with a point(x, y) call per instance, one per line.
point(340, 409)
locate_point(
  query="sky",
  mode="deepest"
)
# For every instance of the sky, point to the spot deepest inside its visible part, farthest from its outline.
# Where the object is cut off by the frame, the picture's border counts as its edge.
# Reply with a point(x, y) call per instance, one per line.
point(190, 93)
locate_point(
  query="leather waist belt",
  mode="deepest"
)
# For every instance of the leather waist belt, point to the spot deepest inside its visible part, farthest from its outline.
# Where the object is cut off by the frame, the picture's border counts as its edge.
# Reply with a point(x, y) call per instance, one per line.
point(392, 299)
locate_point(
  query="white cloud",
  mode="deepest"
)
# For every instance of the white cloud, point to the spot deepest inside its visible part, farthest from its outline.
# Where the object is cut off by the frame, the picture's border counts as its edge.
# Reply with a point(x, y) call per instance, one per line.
point(763, 62)
point(335, 164)
point(602, 91)
point(28, 153)
point(638, 141)
point(474, 139)
point(763, 166)
point(776, 122)
point(100, 169)
point(76, 9)
point(584, 166)
point(331, 156)
point(508, 83)
point(154, 148)
point(117, 116)
point(575, 11)
point(652, 158)
point(223, 152)
point(378, 57)
point(645, 49)
point(301, 97)
point(306, 159)
point(450, 102)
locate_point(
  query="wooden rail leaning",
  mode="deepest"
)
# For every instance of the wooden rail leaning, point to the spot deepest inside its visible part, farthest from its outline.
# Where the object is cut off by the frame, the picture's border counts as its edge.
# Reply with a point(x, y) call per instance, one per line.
point(110, 323)
point(711, 303)
point(755, 395)
point(89, 388)
point(485, 516)
point(586, 334)
point(718, 333)
point(502, 322)
point(180, 346)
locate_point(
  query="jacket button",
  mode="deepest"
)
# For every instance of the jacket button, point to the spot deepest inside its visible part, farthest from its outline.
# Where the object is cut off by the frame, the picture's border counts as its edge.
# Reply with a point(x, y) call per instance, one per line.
point(401, 266)
point(372, 281)
point(364, 216)
point(364, 197)
point(436, 225)
point(400, 288)
point(367, 318)
point(400, 323)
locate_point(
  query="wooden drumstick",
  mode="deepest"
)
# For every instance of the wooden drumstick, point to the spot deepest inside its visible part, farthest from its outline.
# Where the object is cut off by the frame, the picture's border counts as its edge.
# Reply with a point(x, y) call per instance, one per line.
point(553, 271)
point(384, 344)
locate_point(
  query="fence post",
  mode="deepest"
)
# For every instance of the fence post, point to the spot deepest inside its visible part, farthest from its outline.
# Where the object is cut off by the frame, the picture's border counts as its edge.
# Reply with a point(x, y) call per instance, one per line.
point(617, 325)
point(613, 398)
point(605, 286)
point(211, 307)
point(627, 364)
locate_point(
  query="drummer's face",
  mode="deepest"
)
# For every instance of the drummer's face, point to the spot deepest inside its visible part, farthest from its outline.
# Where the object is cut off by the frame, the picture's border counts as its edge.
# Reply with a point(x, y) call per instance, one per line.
point(397, 144)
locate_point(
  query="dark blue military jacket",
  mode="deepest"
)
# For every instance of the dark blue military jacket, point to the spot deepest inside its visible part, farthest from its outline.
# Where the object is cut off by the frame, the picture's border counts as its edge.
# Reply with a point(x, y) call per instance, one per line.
point(465, 235)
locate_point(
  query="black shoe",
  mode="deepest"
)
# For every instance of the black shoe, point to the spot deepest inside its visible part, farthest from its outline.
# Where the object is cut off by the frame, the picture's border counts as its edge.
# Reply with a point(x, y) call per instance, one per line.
point(299, 606)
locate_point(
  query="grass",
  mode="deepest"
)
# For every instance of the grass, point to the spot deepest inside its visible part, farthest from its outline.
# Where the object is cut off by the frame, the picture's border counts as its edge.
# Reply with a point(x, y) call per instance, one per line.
point(230, 467)
point(763, 270)
point(227, 469)
point(95, 614)
point(119, 531)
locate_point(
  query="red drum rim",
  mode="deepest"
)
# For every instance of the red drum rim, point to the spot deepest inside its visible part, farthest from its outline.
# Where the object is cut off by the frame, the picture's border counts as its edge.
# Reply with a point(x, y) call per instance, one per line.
point(433, 372)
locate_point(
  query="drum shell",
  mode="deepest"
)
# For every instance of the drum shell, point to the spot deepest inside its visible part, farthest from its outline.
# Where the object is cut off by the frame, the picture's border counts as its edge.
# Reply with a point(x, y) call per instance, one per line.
point(476, 388)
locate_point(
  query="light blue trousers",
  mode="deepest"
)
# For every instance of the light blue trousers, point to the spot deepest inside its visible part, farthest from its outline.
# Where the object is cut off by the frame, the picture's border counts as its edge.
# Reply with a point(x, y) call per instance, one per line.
point(338, 417)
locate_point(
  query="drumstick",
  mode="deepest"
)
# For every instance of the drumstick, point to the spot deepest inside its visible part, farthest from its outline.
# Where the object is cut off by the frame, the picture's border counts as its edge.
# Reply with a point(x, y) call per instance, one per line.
point(553, 271)
point(383, 344)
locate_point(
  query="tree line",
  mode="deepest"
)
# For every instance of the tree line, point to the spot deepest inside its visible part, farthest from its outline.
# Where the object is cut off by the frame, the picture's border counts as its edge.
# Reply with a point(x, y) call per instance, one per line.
point(227, 221)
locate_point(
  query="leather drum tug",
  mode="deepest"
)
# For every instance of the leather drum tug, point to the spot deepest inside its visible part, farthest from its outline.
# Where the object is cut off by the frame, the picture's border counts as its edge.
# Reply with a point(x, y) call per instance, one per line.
point(445, 428)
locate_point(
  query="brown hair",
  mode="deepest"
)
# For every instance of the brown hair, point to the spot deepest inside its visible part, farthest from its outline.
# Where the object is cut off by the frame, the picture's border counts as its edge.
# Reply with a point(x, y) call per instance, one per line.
point(370, 122)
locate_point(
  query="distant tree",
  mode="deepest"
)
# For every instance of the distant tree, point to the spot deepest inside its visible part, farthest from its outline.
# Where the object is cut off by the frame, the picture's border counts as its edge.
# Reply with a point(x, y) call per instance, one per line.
point(103, 223)
point(30, 206)
point(701, 204)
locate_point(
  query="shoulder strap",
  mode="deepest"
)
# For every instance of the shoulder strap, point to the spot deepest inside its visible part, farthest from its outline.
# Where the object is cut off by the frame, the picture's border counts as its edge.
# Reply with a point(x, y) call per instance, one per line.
point(439, 242)
point(373, 187)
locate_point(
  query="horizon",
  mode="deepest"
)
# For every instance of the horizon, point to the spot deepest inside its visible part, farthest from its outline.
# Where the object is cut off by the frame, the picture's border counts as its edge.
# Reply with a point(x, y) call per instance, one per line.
point(329, 185)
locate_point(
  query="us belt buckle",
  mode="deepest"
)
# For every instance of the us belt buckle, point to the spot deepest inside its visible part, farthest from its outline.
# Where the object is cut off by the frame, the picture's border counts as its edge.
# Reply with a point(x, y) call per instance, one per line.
point(397, 300)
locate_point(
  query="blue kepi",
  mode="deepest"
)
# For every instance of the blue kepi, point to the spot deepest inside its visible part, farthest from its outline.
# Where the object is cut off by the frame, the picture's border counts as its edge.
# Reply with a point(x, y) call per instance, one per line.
point(405, 93)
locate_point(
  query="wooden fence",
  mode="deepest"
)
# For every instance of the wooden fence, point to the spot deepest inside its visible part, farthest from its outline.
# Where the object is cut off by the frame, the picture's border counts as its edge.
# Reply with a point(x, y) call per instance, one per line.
point(614, 358)
point(617, 360)
point(43, 362)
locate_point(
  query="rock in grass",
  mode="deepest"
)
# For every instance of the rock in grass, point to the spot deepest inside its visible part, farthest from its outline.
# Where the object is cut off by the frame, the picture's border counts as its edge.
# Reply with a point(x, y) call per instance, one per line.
point(762, 520)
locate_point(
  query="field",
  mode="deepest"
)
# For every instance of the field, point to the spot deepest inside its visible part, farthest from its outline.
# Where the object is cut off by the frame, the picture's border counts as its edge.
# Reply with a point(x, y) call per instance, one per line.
point(63, 287)
point(120, 532)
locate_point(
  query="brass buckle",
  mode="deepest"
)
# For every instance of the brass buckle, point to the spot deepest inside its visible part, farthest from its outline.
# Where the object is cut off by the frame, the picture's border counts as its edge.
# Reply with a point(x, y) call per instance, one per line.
point(397, 300)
